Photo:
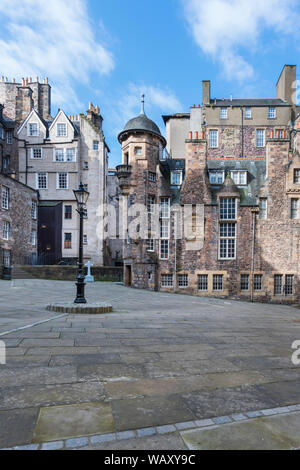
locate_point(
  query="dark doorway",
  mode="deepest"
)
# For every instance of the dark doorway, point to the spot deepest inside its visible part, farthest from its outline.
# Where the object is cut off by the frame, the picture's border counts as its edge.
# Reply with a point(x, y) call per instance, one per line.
point(128, 277)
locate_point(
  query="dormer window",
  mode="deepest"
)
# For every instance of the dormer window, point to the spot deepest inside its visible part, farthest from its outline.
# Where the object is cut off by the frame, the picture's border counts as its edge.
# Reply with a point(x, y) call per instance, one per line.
point(223, 113)
point(176, 178)
point(61, 130)
point(216, 177)
point(32, 129)
point(239, 177)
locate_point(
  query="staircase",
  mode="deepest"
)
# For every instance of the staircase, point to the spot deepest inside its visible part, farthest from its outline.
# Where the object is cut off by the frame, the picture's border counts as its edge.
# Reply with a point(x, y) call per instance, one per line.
point(19, 273)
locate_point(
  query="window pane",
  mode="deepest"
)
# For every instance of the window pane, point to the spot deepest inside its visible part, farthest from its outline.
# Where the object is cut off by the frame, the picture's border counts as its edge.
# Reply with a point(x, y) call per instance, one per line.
point(213, 139)
point(260, 138)
point(244, 281)
point(203, 282)
point(227, 208)
point(217, 282)
point(183, 280)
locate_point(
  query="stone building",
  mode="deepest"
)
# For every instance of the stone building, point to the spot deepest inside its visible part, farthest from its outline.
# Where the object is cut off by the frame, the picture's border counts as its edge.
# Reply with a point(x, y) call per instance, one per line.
point(52, 155)
point(18, 222)
point(225, 199)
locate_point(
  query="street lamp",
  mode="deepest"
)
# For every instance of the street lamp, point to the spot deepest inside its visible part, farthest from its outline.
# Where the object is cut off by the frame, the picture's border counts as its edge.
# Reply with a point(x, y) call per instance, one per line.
point(81, 196)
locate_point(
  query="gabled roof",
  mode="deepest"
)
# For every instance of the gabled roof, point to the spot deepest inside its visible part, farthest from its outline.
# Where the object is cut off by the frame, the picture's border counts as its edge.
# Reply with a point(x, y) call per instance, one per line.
point(33, 112)
point(59, 113)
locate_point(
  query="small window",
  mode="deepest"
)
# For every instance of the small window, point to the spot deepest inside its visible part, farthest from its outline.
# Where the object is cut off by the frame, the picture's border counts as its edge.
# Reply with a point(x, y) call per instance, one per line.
point(223, 113)
point(33, 210)
point(5, 198)
point(61, 130)
point(263, 208)
point(70, 155)
point(260, 138)
point(164, 249)
point(150, 204)
point(86, 166)
point(68, 240)
point(218, 282)
point(86, 187)
point(62, 181)
point(176, 177)
point(68, 212)
point(167, 280)
point(183, 280)
point(6, 231)
point(258, 278)
point(36, 153)
point(85, 214)
point(278, 284)
point(294, 208)
point(1, 133)
point(138, 150)
point(33, 238)
point(96, 145)
point(203, 282)
point(150, 244)
point(216, 177)
point(32, 129)
point(6, 162)
point(296, 175)
point(272, 113)
point(84, 239)
point(248, 114)
point(244, 281)
point(42, 181)
point(59, 155)
point(213, 139)
point(9, 137)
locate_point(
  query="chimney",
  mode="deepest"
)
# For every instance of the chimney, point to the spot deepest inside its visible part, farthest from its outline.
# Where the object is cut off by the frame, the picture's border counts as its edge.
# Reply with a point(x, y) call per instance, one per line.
point(205, 92)
point(286, 85)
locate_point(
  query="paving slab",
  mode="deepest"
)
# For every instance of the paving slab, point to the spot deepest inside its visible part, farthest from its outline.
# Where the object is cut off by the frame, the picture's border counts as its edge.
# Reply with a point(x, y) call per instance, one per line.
point(17, 426)
point(281, 432)
point(61, 422)
point(161, 442)
point(9, 377)
point(149, 411)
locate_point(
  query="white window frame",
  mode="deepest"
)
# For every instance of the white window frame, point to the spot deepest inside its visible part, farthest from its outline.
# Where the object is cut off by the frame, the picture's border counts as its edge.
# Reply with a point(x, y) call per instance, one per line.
point(248, 113)
point(258, 140)
point(239, 181)
point(296, 176)
point(183, 281)
point(228, 239)
point(166, 256)
point(58, 180)
point(164, 229)
point(5, 198)
point(204, 277)
point(138, 150)
point(33, 210)
point(226, 209)
point(272, 112)
point(37, 180)
point(224, 112)
point(214, 132)
point(6, 230)
point(71, 150)
point(59, 126)
point(294, 208)
point(213, 176)
point(164, 208)
point(166, 280)
point(32, 153)
point(150, 244)
point(29, 133)
point(217, 277)
point(263, 208)
point(174, 175)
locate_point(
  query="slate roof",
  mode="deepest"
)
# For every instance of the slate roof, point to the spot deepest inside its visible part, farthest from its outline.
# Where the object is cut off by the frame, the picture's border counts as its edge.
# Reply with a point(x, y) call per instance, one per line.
point(249, 102)
point(141, 123)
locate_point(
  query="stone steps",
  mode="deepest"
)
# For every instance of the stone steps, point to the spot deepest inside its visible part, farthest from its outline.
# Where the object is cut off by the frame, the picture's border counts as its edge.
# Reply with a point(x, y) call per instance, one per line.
point(19, 273)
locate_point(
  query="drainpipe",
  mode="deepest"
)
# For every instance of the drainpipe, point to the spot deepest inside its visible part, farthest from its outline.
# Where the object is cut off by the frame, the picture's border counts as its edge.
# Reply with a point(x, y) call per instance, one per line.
point(253, 252)
point(242, 111)
point(175, 248)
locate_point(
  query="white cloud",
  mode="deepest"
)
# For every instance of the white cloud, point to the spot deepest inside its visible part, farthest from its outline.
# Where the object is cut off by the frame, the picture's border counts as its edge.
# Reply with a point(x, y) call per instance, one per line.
point(52, 38)
point(127, 104)
point(223, 29)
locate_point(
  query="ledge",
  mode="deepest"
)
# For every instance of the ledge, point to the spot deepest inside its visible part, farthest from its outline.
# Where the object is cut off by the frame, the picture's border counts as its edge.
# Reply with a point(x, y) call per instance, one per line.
point(88, 309)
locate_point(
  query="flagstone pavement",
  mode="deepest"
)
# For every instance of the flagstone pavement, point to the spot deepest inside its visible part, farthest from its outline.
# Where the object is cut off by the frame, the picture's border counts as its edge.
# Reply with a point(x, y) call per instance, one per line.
point(158, 359)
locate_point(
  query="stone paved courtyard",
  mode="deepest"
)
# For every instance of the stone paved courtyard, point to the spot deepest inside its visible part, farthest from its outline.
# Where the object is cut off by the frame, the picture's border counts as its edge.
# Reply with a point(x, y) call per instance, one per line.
point(158, 359)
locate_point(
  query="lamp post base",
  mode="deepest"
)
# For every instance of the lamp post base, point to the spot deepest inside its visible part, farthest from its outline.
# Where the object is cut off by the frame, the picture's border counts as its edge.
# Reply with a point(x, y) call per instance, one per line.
point(80, 299)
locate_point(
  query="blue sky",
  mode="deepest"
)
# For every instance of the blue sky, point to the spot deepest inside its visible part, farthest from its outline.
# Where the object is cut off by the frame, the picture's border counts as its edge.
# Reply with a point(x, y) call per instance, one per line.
point(109, 51)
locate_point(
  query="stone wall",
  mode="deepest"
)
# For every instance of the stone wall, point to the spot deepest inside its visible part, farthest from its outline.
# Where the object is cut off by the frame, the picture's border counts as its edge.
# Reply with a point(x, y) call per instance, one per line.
point(69, 273)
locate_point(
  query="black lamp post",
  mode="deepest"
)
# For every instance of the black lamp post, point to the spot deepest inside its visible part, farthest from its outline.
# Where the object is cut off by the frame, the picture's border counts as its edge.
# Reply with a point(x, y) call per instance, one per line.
point(81, 196)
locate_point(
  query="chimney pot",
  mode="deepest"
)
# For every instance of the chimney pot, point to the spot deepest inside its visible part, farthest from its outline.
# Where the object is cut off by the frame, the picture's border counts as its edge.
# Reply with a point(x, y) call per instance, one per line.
point(190, 135)
point(196, 135)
